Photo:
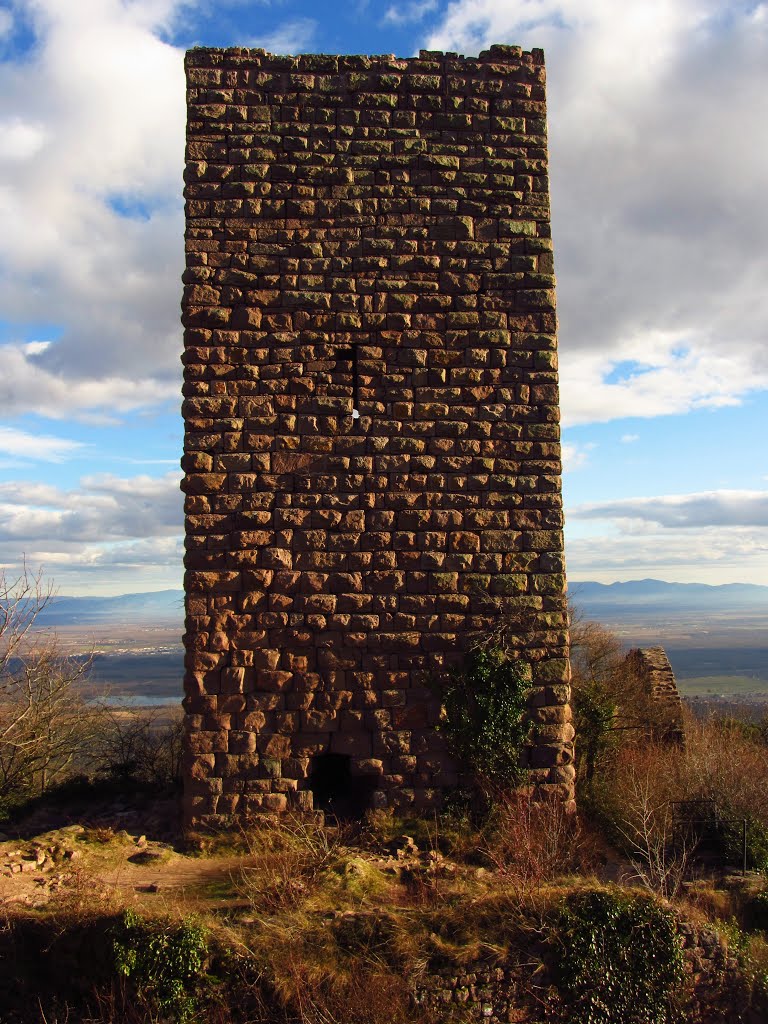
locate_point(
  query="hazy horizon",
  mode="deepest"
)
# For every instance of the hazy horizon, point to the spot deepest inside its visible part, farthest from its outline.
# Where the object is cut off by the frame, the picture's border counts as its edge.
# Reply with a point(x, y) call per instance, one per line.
point(59, 593)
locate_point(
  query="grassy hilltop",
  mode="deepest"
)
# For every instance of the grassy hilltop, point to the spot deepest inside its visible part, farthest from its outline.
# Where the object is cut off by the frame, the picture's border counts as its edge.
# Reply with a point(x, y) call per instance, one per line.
point(647, 905)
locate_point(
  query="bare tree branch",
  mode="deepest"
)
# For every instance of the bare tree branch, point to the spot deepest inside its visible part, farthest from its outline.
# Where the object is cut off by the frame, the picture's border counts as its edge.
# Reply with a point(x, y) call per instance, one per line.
point(44, 717)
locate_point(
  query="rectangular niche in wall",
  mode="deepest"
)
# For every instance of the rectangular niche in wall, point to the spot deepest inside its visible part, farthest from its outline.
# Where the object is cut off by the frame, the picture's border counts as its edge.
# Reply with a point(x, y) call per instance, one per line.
point(372, 448)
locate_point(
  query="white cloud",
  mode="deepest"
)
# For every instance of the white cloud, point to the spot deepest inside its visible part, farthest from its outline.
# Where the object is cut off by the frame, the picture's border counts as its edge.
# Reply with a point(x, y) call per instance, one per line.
point(21, 140)
point(41, 447)
point(291, 37)
point(142, 565)
point(406, 13)
point(658, 172)
point(712, 536)
point(103, 509)
point(575, 456)
point(629, 438)
point(667, 379)
point(675, 511)
point(94, 110)
point(711, 555)
point(35, 348)
point(141, 554)
point(84, 537)
point(27, 385)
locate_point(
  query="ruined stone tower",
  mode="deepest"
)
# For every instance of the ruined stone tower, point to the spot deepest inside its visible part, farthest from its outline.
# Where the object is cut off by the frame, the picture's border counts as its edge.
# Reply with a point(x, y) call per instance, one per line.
point(372, 450)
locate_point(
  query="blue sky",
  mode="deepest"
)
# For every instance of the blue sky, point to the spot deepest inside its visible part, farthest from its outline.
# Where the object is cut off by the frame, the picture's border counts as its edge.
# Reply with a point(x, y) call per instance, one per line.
point(659, 163)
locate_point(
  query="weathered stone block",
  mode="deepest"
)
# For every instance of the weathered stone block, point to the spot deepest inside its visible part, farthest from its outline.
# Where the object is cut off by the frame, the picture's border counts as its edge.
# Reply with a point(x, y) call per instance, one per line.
point(372, 235)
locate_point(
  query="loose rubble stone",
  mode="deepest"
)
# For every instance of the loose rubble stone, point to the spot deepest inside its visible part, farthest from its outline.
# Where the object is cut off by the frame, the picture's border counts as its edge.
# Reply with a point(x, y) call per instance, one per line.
point(147, 857)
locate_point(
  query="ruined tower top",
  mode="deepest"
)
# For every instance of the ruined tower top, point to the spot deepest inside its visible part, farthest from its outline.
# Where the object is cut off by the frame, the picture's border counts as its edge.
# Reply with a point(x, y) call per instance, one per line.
point(372, 450)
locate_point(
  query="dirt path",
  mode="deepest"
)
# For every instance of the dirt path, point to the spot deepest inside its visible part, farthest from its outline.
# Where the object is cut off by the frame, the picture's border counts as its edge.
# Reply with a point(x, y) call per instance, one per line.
point(70, 863)
point(178, 872)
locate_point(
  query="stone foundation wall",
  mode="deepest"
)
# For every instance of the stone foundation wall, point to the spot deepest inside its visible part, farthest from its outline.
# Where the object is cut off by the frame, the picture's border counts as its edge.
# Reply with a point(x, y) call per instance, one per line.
point(715, 988)
point(372, 447)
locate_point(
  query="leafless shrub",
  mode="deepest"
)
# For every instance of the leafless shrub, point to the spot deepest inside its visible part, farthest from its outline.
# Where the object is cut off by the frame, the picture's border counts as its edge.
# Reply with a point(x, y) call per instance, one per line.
point(347, 990)
point(535, 841)
point(596, 653)
point(45, 722)
point(646, 796)
point(287, 856)
point(50, 726)
point(143, 744)
point(658, 848)
point(612, 704)
point(724, 763)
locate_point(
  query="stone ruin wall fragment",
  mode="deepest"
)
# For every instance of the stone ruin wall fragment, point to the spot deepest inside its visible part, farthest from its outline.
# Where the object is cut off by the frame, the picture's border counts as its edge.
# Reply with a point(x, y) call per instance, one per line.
point(367, 234)
point(665, 716)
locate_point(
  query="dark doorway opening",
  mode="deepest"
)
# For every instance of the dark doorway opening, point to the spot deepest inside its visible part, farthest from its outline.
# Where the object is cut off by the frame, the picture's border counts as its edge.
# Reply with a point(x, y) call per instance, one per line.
point(336, 790)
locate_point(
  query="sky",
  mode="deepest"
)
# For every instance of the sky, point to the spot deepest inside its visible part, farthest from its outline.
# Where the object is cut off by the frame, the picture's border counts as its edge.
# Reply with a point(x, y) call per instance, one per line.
point(658, 116)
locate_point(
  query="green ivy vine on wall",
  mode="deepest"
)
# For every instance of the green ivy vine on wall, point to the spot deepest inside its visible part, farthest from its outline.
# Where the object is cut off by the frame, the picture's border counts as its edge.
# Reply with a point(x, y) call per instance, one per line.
point(485, 715)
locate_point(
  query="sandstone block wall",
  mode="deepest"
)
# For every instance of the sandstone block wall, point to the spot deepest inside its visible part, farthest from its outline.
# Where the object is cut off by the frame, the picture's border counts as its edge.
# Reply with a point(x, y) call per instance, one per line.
point(372, 450)
point(651, 665)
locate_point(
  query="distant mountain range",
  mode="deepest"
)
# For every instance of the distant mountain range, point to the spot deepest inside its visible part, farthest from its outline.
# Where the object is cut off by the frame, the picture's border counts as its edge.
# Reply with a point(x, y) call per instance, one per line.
point(595, 599)
point(163, 607)
point(166, 607)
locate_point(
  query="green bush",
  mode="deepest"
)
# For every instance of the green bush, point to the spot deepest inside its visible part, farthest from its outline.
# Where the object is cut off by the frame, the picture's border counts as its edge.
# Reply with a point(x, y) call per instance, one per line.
point(730, 839)
point(756, 910)
point(163, 964)
point(621, 958)
point(484, 715)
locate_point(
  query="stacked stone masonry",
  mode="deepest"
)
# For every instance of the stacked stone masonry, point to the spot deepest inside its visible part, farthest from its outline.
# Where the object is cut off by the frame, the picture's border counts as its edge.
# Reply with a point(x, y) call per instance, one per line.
point(715, 990)
point(372, 459)
point(651, 665)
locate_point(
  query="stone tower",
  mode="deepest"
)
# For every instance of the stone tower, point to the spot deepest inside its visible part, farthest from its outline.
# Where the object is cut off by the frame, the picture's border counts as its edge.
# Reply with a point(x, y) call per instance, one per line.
point(372, 449)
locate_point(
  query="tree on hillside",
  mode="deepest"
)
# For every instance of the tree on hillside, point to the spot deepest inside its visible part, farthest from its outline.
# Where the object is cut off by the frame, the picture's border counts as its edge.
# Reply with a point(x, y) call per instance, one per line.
point(144, 746)
point(610, 700)
point(44, 717)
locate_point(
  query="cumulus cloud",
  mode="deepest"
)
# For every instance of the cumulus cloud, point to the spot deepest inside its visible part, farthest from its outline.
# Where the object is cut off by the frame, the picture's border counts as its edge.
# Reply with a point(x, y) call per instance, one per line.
point(104, 507)
point(712, 555)
point(675, 511)
point(21, 140)
point(148, 564)
point(575, 456)
point(712, 536)
point(92, 118)
point(658, 172)
point(29, 385)
point(664, 379)
point(147, 553)
point(81, 536)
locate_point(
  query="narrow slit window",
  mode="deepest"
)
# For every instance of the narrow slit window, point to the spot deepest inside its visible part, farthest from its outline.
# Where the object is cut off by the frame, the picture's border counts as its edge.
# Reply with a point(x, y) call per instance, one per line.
point(349, 354)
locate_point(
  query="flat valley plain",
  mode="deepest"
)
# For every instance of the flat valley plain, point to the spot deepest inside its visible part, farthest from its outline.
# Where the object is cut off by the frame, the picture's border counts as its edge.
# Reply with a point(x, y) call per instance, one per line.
point(718, 659)
point(132, 664)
